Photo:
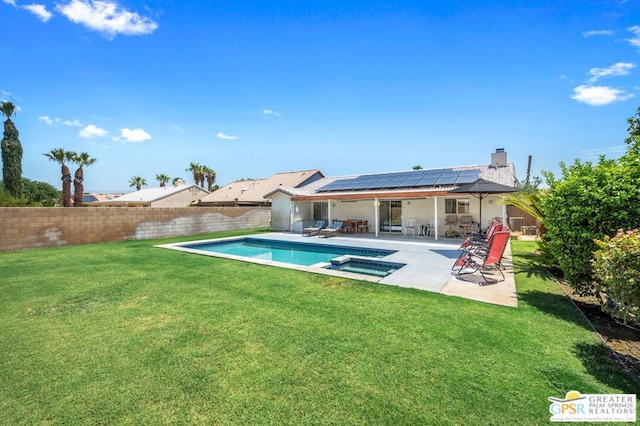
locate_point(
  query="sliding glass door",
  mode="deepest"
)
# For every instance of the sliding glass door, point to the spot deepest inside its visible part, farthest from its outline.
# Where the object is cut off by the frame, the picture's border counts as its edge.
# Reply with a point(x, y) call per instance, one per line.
point(390, 216)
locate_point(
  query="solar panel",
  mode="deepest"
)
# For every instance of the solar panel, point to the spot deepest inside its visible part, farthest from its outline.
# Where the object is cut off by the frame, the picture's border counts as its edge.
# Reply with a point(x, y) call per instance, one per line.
point(408, 179)
point(399, 181)
point(382, 184)
point(448, 177)
point(412, 180)
point(427, 181)
point(433, 174)
point(335, 185)
point(468, 176)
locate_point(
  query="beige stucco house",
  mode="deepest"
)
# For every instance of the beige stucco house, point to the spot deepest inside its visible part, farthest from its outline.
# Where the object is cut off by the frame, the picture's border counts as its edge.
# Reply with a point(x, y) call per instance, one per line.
point(391, 202)
point(165, 196)
point(251, 192)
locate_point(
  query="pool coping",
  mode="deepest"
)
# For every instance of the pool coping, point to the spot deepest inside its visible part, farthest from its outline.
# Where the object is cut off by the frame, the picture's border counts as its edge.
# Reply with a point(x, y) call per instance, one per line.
point(428, 265)
point(317, 268)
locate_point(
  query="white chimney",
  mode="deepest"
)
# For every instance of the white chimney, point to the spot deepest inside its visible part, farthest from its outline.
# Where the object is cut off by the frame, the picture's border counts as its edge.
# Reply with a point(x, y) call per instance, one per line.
point(499, 158)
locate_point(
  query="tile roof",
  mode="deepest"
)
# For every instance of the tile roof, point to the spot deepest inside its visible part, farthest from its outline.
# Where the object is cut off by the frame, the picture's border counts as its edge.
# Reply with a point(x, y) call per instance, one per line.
point(503, 175)
point(93, 197)
point(150, 195)
point(254, 190)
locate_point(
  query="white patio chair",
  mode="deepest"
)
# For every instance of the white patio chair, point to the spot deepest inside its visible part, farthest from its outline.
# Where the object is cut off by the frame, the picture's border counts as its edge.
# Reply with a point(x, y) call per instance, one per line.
point(433, 226)
point(410, 226)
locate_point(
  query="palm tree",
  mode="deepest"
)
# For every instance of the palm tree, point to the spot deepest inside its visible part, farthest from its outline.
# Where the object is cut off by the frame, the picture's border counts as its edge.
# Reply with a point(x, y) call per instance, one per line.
point(210, 174)
point(529, 202)
point(82, 159)
point(7, 109)
point(198, 173)
point(163, 179)
point(177, 181)
point(11, 153)
point(138, 182)
point(59, 155)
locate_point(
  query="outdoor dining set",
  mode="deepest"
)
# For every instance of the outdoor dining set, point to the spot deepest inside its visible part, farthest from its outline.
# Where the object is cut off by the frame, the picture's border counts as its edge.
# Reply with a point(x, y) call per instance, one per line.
point(353, 226)
point(457, 226)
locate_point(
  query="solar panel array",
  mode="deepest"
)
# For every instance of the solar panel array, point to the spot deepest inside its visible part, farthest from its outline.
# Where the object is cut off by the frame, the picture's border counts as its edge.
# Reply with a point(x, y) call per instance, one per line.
point(397, 180)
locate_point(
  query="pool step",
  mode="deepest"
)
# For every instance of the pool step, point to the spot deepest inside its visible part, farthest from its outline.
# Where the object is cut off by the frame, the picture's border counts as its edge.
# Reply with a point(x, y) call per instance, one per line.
point(340, 260)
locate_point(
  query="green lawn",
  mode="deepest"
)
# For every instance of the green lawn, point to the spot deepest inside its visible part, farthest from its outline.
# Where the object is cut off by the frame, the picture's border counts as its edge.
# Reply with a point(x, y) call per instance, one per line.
point(125, 333)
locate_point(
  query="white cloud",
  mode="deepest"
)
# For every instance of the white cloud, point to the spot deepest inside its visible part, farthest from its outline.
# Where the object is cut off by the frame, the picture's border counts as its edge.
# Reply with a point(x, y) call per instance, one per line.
point(39, 10)
point(270, 112)
point(134, 135)
point(72, 123)
point(227, 137)
point(106, 17)
point(593, 33)
point(619, 69)
point(48, 120)
point(93, 144)
point(635, 40)
point(91, 131)
point(599, 95)
point(594, 153)
point(177, 128)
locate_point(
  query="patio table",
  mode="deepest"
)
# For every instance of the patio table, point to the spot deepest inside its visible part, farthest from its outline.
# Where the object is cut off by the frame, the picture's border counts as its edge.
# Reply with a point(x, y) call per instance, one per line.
point(468, 229)
point(354, 223)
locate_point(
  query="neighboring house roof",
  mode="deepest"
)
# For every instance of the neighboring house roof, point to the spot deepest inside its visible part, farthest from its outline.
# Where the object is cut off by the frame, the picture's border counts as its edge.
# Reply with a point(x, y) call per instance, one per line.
point(333, 188)
point(252, 191)
point(150, 195)
point(89, 198)
point(92, 198)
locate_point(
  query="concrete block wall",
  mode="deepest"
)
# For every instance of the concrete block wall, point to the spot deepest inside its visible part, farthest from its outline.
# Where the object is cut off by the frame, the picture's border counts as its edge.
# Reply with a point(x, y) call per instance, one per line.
point(33, 227)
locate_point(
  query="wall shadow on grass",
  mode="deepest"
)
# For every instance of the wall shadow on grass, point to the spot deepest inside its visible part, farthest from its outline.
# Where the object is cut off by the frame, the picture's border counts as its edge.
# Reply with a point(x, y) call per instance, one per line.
point(600, 362)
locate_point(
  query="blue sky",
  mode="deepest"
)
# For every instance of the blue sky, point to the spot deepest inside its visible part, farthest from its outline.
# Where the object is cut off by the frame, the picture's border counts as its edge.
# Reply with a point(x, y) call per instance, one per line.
point(254, 88)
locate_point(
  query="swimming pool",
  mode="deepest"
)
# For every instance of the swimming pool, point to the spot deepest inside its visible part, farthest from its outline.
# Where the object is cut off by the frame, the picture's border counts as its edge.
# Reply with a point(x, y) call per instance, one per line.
point(309, 256)
point(304, 254)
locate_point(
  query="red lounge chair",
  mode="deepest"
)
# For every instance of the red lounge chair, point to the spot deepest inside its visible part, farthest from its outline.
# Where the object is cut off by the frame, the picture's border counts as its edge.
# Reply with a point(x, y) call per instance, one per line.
point(470, 262)
point(481, 242)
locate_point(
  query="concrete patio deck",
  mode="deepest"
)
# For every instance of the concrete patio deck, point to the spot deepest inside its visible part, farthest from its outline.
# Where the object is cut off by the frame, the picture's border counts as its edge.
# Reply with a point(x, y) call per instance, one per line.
point(429, 268)
point(428, 265)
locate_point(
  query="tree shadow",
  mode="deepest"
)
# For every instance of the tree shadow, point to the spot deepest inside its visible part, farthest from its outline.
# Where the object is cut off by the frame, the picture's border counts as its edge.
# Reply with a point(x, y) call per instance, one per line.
point(605, 364)
point(558, 305)
point(529, 265)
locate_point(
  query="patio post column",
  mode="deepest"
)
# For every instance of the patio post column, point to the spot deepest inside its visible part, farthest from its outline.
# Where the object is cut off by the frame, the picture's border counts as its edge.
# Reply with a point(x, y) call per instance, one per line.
point(504, 211)
point(435, 215)
point(292, 212)
point(376, 215)
point(329, 213)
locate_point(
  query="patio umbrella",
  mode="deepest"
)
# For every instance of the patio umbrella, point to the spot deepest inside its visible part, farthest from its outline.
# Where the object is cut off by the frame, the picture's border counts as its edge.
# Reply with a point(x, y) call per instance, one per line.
point(480, 188)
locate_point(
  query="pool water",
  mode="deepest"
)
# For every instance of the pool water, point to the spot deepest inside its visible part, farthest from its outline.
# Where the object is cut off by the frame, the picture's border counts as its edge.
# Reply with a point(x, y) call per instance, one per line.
point(376, 268)
point(304, 254)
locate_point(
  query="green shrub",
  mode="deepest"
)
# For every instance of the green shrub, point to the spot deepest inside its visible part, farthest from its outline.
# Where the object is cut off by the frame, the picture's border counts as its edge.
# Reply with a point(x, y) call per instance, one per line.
point(35, 194)
point(579, 208)
point(589, 202)
point(8, 200)
point(616, 266)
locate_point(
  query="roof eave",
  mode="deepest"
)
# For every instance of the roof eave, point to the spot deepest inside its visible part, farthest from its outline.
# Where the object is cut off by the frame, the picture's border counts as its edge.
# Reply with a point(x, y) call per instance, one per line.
point(371, 195)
